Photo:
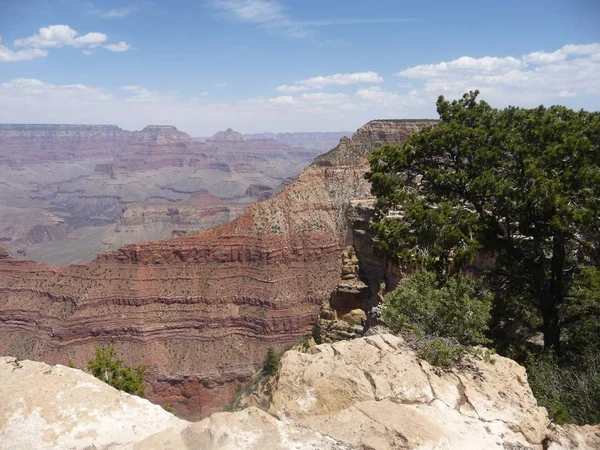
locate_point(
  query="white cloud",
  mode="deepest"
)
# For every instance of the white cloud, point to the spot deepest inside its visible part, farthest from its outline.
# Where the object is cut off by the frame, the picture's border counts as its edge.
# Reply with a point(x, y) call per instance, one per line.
point(116, 13)
point(33, 89)
point(283, 100)
point(120, 47)
point(140, 94)
point(582, 49)
point(272, 15)
point(8, 55)
point(545, 58)
point(339, 79)
point(465, 64)
point(87, 52)
point(251, 10)
point(565, 93)
point(537, 77)
point(222, 85)
point(60, 36)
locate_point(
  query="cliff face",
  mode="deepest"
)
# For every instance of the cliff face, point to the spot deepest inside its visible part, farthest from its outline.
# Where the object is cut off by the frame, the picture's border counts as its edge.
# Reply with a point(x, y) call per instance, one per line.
point(368, 393)
point(200, 310)
point(30, 144)
point(66, 190)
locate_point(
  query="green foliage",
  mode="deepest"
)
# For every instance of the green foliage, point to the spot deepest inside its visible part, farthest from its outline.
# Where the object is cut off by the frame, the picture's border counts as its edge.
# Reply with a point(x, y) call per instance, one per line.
point(441, 353)
point(582, 308)
point(456, 307)
point(271, 363)
point(106, 366)
point(316, 331)
point(571, 394)
point(522, 186)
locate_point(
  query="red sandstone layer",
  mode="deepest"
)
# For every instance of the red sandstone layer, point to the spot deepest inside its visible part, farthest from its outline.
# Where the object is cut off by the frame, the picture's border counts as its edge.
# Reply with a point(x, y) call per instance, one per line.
point(200, 310)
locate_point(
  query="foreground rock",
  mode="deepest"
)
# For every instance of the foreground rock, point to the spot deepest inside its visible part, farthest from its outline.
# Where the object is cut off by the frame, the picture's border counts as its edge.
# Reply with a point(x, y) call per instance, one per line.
point(57, 407)
point(369, 393)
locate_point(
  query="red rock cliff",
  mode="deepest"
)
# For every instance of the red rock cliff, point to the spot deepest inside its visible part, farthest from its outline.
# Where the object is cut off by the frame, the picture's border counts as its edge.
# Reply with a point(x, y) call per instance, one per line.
point(200, 310)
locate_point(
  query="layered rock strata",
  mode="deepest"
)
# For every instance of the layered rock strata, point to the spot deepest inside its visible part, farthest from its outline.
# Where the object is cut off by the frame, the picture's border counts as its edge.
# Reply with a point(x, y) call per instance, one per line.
point(62, 186)
point(200, 310)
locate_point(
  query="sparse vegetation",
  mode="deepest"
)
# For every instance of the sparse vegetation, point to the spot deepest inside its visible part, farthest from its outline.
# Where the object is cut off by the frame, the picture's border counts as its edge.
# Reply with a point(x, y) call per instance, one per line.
point(106, 366)
point(445, 316)
point(271, 363)
point(429, 305)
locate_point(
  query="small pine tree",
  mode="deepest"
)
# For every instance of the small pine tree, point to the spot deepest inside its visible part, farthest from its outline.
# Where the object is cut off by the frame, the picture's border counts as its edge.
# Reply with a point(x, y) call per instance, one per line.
point(271, 362)
point(106, 366)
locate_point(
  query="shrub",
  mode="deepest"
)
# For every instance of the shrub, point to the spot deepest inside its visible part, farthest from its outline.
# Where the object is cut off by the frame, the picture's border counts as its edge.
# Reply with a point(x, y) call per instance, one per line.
point(456, 307)
point(571, 394)
point(106, 366)
point(271, 363)
point(441, 353)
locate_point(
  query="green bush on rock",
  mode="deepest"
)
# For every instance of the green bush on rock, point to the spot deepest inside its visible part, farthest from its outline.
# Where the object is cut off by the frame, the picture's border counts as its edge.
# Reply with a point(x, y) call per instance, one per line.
point(106, 366)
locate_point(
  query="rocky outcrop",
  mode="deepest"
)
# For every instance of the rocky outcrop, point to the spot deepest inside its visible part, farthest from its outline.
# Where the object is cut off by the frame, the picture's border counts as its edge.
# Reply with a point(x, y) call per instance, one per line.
point(259, 192)
point(55, 407)
point(201, 310)
point(227, 135)
point(162, 135)
point(367, 393)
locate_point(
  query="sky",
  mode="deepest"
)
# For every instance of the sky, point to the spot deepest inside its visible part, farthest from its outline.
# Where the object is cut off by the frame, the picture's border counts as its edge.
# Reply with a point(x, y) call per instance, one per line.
point(282, 65)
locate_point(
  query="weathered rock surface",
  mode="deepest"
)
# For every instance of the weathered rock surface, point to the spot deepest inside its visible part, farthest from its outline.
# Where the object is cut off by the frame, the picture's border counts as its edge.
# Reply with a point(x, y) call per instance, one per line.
point(55, 407)
point(369, 393)
point(201, 310)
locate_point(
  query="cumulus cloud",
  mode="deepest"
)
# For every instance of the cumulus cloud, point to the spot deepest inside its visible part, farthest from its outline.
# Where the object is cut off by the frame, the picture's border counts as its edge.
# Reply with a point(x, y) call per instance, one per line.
point(465, 64)
point(339, 79)
point(60, 36)
point(57, 36)
point(120, 47)
point(8, 55)
point(545, 58)
point(536, 77)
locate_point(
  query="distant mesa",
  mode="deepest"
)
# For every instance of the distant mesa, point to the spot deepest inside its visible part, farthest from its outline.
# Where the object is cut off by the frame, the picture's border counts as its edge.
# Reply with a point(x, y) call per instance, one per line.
point(162, 134)
point(228, 135)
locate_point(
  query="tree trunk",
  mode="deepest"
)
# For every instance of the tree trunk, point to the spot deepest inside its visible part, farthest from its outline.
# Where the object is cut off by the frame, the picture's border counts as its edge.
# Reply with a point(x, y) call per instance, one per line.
point(554, 297)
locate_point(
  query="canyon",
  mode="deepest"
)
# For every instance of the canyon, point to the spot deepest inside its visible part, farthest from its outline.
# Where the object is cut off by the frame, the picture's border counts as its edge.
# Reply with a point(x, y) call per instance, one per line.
point(372, 392)
point(201, 310)
point(69, 192)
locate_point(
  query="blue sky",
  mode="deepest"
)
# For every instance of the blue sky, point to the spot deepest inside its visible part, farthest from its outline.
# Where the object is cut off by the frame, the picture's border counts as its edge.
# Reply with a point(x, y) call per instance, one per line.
point(304, 65)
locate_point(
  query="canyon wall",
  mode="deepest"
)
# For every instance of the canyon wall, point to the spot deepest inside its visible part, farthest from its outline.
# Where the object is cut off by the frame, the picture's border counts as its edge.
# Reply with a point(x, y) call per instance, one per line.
point(200, 310)
point(66, 190)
